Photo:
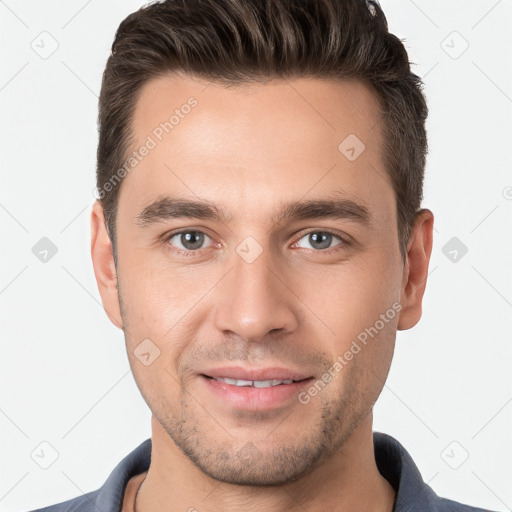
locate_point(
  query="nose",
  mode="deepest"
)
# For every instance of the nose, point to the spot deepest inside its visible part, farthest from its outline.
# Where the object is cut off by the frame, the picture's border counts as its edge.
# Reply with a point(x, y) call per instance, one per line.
point(254, 299)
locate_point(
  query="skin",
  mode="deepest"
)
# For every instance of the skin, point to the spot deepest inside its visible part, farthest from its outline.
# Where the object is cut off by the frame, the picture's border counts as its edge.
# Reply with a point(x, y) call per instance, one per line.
point(296, 306)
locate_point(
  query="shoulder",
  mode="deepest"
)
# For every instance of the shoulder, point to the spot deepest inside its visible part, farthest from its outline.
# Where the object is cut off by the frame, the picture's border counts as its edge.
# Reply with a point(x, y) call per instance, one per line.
point(110, 495)
point(84, 503)
point(413, 494)
point(446, 505)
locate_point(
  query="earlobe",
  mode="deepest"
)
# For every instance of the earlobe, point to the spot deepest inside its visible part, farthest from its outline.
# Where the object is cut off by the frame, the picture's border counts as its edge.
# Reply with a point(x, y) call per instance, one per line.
point(419, 249)
point(104, 267)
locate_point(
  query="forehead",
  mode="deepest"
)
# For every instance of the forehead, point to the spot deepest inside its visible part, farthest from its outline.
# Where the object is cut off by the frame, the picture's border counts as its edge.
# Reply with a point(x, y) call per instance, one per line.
point(297, 137)
point(316, 109)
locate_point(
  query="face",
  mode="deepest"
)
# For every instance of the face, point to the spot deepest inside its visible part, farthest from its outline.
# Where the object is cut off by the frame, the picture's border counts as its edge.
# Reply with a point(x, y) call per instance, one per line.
point(287, 267)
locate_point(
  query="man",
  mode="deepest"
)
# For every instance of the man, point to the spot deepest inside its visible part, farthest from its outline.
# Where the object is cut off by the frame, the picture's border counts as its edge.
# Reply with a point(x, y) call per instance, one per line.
point(259, 239)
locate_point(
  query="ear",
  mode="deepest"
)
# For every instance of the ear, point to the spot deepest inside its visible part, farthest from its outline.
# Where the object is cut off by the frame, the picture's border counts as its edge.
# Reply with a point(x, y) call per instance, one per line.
point(419, 249)
point(103, 263)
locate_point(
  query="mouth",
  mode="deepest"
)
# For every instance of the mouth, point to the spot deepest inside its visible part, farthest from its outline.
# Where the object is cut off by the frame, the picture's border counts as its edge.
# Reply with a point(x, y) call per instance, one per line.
point(262, 390)
point(255, 383)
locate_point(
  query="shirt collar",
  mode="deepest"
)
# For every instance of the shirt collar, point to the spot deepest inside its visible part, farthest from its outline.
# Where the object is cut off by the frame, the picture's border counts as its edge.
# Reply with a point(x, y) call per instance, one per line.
point(397, 467)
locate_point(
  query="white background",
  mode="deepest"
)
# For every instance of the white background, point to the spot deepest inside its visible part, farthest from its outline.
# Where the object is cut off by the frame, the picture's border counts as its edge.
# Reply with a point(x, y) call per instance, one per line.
point(64, 373)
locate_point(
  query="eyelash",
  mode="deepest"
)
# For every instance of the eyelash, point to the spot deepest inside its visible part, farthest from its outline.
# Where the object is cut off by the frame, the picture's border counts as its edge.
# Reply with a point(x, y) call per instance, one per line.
point(191, 253)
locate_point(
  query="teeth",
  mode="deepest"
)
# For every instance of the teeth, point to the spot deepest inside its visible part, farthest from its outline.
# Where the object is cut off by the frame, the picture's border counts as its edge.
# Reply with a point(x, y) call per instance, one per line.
point(254, 383)
point(237, 382)
point(266, 383)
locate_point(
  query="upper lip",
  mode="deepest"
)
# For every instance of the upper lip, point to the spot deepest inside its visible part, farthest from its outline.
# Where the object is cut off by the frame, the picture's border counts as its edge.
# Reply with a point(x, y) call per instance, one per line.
point(240, 373)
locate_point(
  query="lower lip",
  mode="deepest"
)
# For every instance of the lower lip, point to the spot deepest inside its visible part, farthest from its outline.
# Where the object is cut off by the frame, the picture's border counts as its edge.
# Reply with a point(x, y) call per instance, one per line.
point(256, 399)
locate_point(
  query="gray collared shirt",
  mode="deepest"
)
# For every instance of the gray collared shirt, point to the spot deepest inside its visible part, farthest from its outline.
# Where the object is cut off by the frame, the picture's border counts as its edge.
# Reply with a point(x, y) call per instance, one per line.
point(393, 461)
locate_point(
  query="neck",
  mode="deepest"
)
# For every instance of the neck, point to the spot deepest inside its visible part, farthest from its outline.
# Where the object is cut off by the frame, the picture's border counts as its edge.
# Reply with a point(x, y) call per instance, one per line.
point(349, 480)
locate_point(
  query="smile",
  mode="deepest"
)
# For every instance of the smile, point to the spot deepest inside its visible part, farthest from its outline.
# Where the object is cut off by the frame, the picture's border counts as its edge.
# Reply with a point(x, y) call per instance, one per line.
point(253, 383)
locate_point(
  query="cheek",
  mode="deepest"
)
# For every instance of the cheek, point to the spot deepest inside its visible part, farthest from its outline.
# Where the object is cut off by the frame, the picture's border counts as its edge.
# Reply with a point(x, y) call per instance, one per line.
point(150, 310)
point(352, 297)
point(360, 304)
point(156, 295)
point(166, 306)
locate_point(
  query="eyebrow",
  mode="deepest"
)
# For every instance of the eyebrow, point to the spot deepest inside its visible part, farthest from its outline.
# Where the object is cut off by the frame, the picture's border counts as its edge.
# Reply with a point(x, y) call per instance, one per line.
point(166, 208)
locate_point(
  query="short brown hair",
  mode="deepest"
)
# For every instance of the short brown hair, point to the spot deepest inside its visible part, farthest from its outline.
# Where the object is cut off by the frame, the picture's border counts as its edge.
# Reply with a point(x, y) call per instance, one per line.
point(235, 42)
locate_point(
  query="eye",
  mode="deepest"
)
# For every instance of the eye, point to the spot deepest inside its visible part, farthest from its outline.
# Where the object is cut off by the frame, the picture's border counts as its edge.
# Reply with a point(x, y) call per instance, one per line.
point(191, 242)
point(321, 240)
point(188, 241)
